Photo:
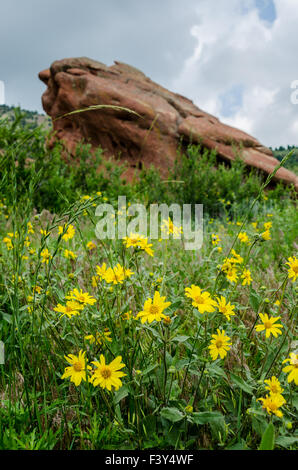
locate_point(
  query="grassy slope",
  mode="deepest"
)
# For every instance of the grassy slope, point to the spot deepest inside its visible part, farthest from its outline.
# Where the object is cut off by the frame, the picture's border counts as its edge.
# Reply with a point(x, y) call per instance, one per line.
point(173, 394)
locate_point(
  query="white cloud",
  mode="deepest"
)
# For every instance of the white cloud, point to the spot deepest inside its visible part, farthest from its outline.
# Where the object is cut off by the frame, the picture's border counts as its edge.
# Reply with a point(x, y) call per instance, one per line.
point(236, 48)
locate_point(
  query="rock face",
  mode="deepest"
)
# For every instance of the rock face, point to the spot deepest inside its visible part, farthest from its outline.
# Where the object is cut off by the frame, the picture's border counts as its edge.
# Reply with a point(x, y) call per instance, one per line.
point(150, 138)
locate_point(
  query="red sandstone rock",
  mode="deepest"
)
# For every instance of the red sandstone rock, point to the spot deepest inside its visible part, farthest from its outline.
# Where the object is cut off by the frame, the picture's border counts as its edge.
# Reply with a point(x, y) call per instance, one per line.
point(165, 118)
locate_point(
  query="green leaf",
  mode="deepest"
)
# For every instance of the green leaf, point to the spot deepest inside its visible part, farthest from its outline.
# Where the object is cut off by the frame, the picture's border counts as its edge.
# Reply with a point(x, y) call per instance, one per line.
point(216, 371)
point(172, 414)
point(286, 441)
point(120, 394)
point(254, 300)
point(241, 383)
point(268, 438)
point(149, 369)
point(7, 317)
point(206, 417)
point(181, 338)
point(295, 401)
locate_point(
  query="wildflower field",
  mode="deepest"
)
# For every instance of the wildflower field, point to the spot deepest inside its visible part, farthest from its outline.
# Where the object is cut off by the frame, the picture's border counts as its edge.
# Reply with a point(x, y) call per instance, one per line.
point(135, 343)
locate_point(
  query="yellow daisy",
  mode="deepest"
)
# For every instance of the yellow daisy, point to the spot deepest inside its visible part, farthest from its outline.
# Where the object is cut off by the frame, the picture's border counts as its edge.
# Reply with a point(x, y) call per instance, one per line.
point(220, 345)
point(293, 268)
point(243, 237)
point(236, 258)
point(266, 235)
point(69, 254)
point(30, 228)
point(273, 385)
point(292, 368)
point(108, 375)
point(170, 228)
point(246, 276)
point(77, 369)
point(231, 274)
point(72, 308)
point(99, 337)
point(117, 274)
point(153, 309)
point(272, 403)
point(91, 246)
point(67, 233)
point(215, 239)
point(80, 296)
point(46, 256)
point(226, 308)
point(269, 325)
point(201, 300)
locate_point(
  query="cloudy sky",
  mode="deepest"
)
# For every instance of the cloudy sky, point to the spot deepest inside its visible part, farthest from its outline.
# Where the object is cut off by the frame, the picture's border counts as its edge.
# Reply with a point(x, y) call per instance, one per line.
point(235, 59)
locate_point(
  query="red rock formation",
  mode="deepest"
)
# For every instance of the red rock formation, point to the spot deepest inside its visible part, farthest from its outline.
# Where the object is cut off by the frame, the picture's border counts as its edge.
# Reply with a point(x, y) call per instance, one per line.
point(150, 138)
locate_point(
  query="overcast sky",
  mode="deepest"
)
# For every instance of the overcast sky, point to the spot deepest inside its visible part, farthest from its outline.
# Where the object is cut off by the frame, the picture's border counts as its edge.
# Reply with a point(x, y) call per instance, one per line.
point(235, 59)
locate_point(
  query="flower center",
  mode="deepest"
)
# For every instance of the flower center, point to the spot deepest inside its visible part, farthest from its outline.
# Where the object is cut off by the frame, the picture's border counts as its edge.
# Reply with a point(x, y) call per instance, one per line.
point(295, 269)
point(77, 366)
point(268, 325)
point(219, 343)
point(154, 310)
point(106, 372)
point(224, 309)
point(273, 406)
point(199, 299)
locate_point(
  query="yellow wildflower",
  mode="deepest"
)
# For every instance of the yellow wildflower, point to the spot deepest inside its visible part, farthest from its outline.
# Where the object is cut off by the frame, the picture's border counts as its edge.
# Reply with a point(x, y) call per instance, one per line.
point(292, 368)
point(215, 239)
point(266, 235)
point(201, 300)
point(293, 268)
point(8, 243)
point(46, 256)
point(269, 325)
point(153, 309)
point(170, 228)
point(100, 338)
point(82, 297)
point(273, 385)
point(138, 241)
point(108, 375)
point(44, 232)
point(67, 233)
point(71, 308)
point(91, 246)
point(231, 274)
point(226, 308)
point(77, 369)
point(219, 346)
point(30, 228)
point(69, 254)
point(243, 237)
point(246, 276)
point(272, 403)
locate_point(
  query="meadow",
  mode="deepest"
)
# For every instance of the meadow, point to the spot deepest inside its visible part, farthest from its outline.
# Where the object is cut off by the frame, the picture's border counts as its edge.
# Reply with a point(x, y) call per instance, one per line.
point(139, 343)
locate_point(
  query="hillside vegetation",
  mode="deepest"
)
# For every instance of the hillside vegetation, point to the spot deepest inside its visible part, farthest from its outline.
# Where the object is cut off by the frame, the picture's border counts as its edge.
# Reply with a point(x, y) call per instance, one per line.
point(25, 118)
point(281, 152)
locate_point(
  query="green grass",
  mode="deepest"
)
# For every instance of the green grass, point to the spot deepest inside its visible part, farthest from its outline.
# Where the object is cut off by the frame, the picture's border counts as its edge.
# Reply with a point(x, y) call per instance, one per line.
point(173, 394)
